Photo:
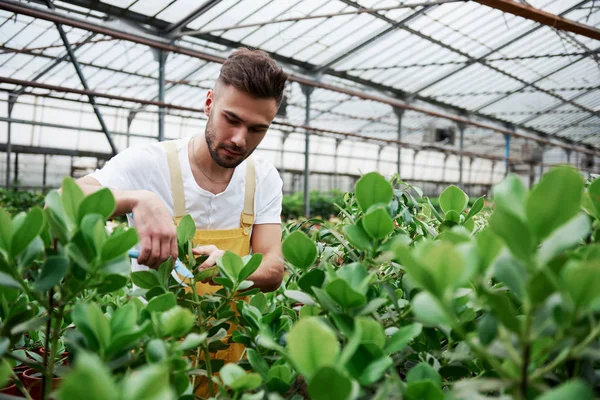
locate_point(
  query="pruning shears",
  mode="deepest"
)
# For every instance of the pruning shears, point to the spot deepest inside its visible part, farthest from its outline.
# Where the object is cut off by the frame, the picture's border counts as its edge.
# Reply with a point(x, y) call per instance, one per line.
point(180, 268)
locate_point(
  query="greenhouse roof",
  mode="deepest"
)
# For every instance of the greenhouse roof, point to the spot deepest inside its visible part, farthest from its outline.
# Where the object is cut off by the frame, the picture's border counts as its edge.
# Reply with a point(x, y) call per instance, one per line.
point(450, 58)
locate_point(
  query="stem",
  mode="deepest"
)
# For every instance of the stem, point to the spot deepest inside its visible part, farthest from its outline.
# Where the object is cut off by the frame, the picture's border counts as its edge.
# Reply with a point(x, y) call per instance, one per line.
point(20, 385)
point(564, 356)
point(53, 346)
point(46, 380)
point(526, 350)
point(208, 370)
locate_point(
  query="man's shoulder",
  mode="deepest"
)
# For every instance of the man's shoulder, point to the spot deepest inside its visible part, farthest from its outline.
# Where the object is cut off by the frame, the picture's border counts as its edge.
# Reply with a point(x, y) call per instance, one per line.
point(265, 170)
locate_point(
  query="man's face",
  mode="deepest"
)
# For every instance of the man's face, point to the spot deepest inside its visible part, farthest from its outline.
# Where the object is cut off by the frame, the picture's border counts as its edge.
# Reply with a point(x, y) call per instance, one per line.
point(237, 123)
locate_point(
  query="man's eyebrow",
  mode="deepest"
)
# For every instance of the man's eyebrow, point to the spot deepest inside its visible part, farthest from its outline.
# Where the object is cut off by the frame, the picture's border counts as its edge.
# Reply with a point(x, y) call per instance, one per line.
point(238, 118)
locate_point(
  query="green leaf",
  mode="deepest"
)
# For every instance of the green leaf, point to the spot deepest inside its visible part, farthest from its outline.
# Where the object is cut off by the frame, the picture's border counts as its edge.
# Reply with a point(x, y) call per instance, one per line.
point(513, 274)
point(156, 351)
point(375, 371)
point(554, 201)
point(504, 310)
point(356, 275)
point(124, 318)
point(312, 345)
point(161, 303)
point(300, 297)
point(357, 237)
point(93, 325)
point(111, 283)
point(582, 280)
point(27, 231)
point(427, 310)
point(402, 338)
point(89, 379)
point(565, 237)
point(373, 188)
point(119, 244)
point(452, 216)
point(100, 202)
point(53, 271)
point(329, 384)
point(206, 273)
point(236, 378)
point(5, 230)
point(251, 265)
point(94, 232)
point(487, 329)
point(453, 198)
point(299, 250)
point(315, 278)
point(372, 331)
point(145, 279)
point(71, 197)
point(489, 246)
point(8, 281)
point(231, 265)
point(341, 292)
point(176, 321)
point(150, 382)
point(378, 223)
point(257, 362)
point(422, 390)
point(281, 372)
point(424, 372)
point(594, 194)
point(575, 389)
point(186, 229)
point(515, 233)
point(477, 207)
point(510, 196)
point(193, 341)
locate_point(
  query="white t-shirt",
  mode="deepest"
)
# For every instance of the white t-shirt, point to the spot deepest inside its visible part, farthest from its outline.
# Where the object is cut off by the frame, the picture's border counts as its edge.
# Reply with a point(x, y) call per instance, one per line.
point(146, 168)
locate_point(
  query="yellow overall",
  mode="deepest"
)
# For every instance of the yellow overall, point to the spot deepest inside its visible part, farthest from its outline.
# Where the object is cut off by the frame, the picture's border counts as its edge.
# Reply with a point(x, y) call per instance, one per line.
point(236, 240)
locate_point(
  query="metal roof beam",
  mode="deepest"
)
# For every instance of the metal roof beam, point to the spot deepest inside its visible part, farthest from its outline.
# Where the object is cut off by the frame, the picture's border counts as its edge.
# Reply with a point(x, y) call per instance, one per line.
point(176, 27)
point(497, 49)
point(542, 17)
point(161, 44)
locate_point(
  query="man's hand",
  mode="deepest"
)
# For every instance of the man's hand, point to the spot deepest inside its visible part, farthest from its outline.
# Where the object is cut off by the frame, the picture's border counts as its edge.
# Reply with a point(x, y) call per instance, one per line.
point(213, 254)
point(156, 230)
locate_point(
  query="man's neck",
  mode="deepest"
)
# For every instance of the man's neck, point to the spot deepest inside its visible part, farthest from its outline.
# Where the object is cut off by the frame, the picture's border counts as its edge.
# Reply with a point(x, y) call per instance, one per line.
point(207, 174)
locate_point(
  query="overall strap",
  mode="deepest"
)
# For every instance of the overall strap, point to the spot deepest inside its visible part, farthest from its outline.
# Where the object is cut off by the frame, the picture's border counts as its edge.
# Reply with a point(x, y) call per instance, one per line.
point(247, 218)
point(176, 179)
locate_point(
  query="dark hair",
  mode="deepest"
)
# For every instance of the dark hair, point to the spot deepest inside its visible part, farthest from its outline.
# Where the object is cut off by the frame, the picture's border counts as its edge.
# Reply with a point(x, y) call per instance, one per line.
point(254, 72)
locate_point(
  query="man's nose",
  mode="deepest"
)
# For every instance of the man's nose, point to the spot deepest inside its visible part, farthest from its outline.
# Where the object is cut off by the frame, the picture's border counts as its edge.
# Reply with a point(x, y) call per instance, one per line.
point(239, 137)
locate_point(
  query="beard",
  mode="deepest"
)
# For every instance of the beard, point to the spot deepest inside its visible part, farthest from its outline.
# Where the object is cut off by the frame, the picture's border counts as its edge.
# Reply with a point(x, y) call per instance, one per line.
point(214, 147)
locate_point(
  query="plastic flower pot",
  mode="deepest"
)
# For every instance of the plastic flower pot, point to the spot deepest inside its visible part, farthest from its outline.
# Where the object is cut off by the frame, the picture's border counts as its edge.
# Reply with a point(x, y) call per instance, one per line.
point(10, 388)
point(32, 379)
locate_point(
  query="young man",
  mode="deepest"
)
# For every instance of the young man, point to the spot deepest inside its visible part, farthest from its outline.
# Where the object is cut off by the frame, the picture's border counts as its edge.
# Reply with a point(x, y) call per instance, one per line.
point(234, 200)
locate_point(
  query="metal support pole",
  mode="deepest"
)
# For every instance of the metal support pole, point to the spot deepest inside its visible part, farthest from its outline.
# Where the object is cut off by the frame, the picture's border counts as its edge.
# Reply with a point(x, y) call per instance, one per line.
point(379, 158)
point(506, 153)
point(45, 171)
point(11, 104)
point(492, 172)
point(162, 59)
point(335, 163)
point(284, 138)
point(531, 175)
point(307, 90)
point(399, 113)
point(414, 169)
point(568, 156)
point(444, 167)
point(542, 163)
point(91, 98)
point(16, 178)
point(471, 169)
point(461, 144)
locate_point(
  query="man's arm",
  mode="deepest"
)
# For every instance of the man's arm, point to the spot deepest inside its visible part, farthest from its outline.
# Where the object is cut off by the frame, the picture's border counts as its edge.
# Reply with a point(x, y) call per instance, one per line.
point(153, 223)
point(266, 240)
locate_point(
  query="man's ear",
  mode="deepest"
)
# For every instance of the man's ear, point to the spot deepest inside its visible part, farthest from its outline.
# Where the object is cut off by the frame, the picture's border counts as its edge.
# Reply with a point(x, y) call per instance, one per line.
point(209, 101)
